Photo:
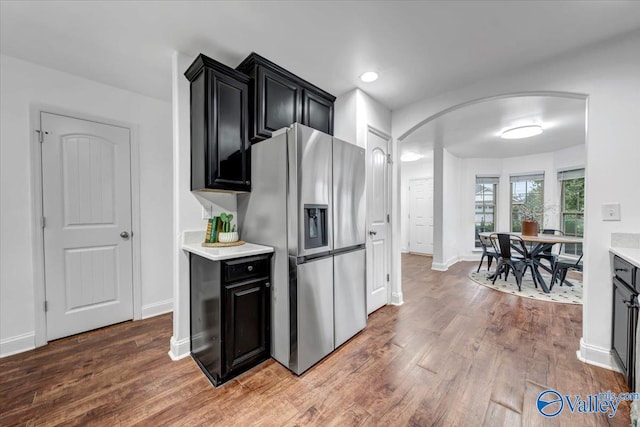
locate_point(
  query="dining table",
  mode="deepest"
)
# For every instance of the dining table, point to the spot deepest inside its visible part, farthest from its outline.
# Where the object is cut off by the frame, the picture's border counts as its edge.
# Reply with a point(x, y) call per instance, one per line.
point(539, 243)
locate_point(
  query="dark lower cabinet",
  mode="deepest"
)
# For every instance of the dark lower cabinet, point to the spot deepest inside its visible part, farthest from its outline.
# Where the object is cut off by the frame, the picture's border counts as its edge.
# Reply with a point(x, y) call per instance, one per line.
point(624, 319)
point(230, 314)
point(280, 98)
point(220, 158)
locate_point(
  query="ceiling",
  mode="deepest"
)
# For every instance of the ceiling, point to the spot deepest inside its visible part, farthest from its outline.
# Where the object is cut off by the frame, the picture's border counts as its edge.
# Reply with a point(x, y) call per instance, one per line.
point(474, 130)
point(420, 49)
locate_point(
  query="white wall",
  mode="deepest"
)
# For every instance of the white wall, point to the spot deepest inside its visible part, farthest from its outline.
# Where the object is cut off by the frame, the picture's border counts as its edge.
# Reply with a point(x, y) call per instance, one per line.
point(370, 113)
point(422, 168)
point(549, 163)
point(345, 117)
point(451, 183)
point(187, 211)
point(609, 73)
point(354, 112)
point(24, 84)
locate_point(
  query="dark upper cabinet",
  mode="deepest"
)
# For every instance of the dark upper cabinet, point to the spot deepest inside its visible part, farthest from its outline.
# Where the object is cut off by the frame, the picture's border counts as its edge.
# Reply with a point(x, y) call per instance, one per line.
point(279, 102)
point(280, 98)
point(318, 112)
point(220, 158)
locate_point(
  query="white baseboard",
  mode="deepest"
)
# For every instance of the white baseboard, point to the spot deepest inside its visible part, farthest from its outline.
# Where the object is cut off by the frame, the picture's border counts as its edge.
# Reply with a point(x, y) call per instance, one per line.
point(17, 344)
point(396, 298)
point(635, 413)
point(596, 356)
point(437, 266)
point(179, 349)
point(157, 308)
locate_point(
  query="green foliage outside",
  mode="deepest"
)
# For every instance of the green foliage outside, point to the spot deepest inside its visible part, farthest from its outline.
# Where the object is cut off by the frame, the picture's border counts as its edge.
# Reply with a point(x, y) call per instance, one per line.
point(527, 205)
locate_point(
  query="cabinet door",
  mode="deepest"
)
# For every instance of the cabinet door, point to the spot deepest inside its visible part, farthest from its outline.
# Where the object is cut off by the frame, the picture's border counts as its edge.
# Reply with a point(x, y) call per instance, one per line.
point(278, 102)
point(623, 328)
point(226, 151)
point(246, 323)
point(317, 112)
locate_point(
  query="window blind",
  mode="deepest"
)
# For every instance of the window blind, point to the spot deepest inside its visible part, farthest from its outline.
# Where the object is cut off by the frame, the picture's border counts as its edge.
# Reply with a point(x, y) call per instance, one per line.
point(487, 179)
point(570, 174)
point(528, 177)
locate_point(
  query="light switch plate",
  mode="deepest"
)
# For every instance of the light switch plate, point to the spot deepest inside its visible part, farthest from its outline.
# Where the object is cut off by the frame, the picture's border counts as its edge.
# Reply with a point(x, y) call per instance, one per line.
point(611, 212)
point(206, 212)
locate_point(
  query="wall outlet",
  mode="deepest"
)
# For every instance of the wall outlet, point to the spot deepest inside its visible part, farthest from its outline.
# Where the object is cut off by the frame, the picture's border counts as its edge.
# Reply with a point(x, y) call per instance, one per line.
point(611, 212)
point(207, 212)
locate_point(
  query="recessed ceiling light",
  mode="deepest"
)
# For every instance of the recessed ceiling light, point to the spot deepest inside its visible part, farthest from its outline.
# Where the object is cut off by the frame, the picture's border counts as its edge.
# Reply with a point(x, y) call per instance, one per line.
point(410, 156)
point(522, 132)
point(369, 76)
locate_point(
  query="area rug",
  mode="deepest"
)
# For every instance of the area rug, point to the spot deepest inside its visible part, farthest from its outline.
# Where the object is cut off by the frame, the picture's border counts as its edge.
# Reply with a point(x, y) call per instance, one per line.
point(562, 294)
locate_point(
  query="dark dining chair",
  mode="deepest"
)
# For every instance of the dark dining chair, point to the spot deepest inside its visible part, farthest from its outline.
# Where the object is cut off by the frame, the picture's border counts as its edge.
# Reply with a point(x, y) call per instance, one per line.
point(509, 261)
point(547, 252)
point(487, 251)
point(562, 267)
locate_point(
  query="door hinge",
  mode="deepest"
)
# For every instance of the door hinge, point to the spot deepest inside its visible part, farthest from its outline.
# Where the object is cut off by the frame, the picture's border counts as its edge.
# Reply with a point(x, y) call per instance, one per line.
point(387, 277)
point(389, 159)
point(388, 220)
point(41, 135)
point(43, 221)
point(46, 306)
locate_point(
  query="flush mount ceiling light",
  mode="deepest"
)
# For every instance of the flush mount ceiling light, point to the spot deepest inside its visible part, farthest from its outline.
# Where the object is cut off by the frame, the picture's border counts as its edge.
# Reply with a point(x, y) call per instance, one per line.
point(410, 156)
point(369, 76)
point(522, 132)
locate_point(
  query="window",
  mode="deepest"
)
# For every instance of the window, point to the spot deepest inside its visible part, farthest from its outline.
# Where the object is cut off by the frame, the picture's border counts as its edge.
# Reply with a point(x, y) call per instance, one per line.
point(485, 209)
point(572, 207)
point(526, 196)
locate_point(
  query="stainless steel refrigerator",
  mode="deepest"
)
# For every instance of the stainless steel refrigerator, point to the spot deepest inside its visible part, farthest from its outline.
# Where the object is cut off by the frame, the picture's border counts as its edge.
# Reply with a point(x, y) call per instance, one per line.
point(308, 202)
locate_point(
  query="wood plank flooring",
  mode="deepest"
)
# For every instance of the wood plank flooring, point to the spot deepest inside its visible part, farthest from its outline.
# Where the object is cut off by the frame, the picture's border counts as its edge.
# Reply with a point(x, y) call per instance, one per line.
point(455, 354)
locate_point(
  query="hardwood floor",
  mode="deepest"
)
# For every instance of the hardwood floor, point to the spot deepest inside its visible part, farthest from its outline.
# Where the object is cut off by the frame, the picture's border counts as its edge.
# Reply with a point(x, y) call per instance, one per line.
point(455, 354)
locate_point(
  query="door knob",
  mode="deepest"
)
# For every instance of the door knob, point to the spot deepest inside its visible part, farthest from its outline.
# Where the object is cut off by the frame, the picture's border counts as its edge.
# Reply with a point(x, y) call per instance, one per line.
point(372, 233)
point(124, 235)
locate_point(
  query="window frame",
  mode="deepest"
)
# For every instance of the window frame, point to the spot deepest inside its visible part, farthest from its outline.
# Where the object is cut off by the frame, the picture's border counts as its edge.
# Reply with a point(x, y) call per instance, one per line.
point(525, 177)
point(483, 180)
point(565, 177)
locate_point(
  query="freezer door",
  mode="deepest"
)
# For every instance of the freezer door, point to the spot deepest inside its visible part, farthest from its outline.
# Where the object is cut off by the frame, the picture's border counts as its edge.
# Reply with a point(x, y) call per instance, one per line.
point(349, 295)
point(348, 194)
point(312, 328)
point(309, 191)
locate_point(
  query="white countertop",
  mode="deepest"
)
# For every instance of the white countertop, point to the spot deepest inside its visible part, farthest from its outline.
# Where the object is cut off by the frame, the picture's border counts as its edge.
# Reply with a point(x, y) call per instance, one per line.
point(192, 242)
point(628, 254)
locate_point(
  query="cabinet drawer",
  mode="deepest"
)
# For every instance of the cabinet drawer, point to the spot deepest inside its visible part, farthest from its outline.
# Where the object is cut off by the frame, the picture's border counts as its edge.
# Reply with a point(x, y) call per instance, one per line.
point(246, 268)
point(625, 271)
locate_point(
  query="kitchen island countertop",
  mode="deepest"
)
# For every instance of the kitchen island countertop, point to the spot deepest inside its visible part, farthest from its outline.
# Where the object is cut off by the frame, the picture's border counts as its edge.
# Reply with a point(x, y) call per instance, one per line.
point(192, 242)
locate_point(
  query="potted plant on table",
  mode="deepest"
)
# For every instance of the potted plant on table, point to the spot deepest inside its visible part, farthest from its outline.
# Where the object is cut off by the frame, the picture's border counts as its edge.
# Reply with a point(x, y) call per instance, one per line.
point(532, 214)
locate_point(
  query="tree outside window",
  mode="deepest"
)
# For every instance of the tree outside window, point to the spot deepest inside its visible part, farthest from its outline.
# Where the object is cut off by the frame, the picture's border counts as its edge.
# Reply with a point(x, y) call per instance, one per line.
point(572, 208)
point(527, 200)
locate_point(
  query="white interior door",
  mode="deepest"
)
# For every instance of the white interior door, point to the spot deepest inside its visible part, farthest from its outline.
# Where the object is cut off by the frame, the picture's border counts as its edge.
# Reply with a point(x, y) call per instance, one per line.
point(87, 224)
point(377, 222)
point(421, 216)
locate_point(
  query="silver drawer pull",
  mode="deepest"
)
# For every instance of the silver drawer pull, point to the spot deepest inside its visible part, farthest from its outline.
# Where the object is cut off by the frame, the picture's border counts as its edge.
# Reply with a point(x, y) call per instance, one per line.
point(250, 268)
